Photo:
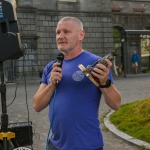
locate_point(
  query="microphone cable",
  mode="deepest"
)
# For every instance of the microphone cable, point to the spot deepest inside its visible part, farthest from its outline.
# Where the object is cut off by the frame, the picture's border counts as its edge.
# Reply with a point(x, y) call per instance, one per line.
point(60, 58)
point(52, 116)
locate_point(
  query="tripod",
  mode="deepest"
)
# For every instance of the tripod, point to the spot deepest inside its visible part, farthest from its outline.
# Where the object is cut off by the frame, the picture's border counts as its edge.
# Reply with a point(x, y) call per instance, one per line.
point(5, 135)
point(9, 37)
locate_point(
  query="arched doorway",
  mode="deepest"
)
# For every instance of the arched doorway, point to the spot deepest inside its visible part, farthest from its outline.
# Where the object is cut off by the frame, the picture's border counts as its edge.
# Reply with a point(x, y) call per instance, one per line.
point(117, 46)
point(132, 41)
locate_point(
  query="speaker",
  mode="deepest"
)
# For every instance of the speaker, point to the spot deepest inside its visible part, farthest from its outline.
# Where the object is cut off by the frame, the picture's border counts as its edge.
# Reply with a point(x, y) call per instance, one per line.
point(9, 10)
point(10, 41)
point(23, 134)
point(10, 46)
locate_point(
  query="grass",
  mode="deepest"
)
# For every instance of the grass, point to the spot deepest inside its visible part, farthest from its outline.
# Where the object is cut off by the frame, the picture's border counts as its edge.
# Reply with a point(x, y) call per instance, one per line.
point(134, 119)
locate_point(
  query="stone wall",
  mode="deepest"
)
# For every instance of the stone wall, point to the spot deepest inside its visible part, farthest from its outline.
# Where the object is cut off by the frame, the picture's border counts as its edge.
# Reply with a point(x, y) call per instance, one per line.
point(37, 22)
point(131, 6)
point(37, 27)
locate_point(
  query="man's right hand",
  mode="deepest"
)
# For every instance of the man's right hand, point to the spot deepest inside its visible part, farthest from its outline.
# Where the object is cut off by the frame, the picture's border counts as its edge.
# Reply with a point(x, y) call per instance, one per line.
point(56, 73)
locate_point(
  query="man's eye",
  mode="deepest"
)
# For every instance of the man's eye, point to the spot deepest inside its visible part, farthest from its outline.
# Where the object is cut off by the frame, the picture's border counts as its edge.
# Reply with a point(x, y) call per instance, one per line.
point(66, 32)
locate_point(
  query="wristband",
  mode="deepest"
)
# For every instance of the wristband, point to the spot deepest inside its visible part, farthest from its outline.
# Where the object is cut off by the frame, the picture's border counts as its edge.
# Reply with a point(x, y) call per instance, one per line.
point(107, 84)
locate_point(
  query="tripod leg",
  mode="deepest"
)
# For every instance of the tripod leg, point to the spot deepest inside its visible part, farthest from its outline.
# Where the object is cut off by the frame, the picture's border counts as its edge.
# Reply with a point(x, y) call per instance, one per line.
point(1, 144)
point(10, 145)
point(5, 143)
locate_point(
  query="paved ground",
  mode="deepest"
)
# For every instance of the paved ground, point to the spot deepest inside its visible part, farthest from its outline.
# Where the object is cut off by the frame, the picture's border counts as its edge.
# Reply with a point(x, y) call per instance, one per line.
point(134, 87)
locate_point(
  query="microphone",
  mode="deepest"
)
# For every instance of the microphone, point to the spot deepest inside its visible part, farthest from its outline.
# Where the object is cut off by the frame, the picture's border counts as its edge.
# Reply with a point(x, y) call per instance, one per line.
point(60, 58)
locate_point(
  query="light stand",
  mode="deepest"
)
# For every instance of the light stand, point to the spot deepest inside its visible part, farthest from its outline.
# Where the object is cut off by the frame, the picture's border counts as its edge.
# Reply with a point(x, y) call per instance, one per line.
point(4, 135)
point(10, 49)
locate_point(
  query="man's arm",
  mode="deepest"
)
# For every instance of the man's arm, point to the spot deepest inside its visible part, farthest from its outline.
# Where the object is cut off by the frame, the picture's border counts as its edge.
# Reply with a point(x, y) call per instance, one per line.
point(42, 97)
point(112, 97)
point(111, 94)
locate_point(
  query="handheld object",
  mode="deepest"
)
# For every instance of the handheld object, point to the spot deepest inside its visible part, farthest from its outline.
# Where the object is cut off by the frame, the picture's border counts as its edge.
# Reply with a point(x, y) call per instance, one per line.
point(89, 68)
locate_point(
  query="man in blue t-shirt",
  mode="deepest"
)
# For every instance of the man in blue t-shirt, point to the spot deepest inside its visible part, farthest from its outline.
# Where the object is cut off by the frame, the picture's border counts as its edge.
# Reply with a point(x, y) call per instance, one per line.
point(135, 62)
point(72, 98)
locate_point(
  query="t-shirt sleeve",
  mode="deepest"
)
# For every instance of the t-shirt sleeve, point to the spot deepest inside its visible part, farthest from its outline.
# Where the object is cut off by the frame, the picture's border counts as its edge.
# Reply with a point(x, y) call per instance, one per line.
point(46, 73)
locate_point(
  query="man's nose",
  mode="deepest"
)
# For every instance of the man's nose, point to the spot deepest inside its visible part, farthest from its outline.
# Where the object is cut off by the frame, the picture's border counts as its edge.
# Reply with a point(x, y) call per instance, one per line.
point(61, 35)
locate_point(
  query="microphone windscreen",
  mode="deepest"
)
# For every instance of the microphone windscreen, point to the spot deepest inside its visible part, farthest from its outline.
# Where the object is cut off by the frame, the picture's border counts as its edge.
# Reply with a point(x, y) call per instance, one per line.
point(60, 58)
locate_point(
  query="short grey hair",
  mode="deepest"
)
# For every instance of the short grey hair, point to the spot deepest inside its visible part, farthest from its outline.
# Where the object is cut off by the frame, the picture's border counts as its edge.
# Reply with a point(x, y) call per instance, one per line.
point(73, 19)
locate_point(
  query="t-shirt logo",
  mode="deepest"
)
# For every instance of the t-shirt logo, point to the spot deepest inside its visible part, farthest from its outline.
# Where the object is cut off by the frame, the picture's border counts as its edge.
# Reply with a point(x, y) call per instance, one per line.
point(78, 76)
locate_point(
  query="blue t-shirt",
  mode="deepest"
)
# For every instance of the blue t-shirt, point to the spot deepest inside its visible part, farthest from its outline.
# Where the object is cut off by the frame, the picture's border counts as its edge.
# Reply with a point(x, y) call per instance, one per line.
point(135, 58)
point(75, 125)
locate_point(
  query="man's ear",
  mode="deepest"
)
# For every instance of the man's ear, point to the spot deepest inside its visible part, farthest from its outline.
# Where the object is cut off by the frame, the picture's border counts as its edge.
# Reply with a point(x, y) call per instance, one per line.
point(82, 34)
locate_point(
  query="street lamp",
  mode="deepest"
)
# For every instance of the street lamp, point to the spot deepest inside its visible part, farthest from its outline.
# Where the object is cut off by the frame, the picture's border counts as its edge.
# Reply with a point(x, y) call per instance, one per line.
point(123, 55)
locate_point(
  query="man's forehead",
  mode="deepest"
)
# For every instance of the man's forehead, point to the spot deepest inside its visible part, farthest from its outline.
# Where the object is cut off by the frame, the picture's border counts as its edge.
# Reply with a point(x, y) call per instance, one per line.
point(61, 23)
point(65, 25)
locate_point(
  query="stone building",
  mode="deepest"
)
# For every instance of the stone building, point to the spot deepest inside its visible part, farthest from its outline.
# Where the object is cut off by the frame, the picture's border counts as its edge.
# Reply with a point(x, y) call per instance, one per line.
point(104, 21)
